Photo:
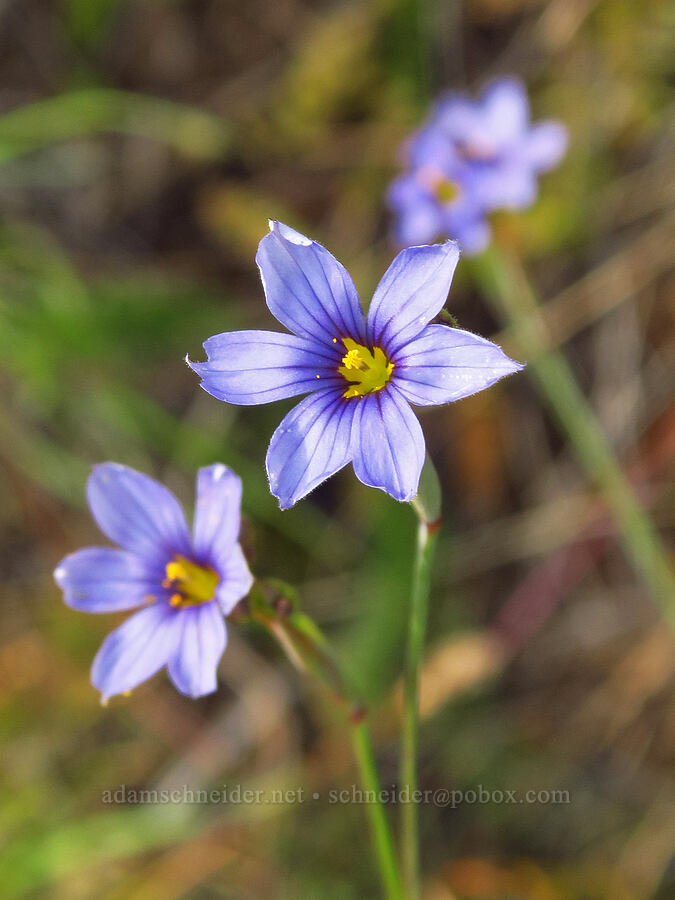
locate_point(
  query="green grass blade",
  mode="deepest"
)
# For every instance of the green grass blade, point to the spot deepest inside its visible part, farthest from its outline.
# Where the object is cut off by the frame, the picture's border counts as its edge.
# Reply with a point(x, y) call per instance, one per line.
point(80, 113)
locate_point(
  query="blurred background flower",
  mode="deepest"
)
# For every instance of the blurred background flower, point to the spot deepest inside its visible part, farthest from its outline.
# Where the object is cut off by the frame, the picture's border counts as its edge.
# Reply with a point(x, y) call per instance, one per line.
point(144, 144)
point(469, 159)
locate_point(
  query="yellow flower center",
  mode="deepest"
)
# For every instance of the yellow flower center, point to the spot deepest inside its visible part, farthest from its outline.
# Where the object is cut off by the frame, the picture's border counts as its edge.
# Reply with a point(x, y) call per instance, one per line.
point(446, 191)
point(190, 584)
point(366, 370)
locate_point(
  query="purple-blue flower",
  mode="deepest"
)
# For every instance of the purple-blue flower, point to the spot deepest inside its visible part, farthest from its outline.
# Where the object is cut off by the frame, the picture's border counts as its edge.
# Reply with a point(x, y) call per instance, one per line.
point(361, 373)
point(185, 582)
point(470, 158)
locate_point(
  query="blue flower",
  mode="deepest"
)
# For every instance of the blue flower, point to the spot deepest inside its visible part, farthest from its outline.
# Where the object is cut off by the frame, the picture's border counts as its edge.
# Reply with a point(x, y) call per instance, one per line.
point(185, 582)
point(471, 158)
point(361, 374)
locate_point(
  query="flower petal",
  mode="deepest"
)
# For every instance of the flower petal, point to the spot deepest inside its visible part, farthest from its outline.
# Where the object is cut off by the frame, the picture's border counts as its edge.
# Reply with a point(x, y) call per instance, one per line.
point(137, 512)
point(457, 118)
point(251, 367)
point(545, 145)
point(411, 292)
point(101, 579)
point(464, 222)
point(306, 288)
point(217, 513)
point(506, 110)
point(445, 364)
point(432, 147)
point(418, 214)
point(510, 184)
point(136, 650)
point(388, 444)
point(236, 579)
point(201, 643)
point(311, 444)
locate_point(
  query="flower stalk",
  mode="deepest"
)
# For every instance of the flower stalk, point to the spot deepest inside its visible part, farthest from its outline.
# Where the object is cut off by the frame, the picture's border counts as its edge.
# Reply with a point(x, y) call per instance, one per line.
point(274, 605)
point(427, 506)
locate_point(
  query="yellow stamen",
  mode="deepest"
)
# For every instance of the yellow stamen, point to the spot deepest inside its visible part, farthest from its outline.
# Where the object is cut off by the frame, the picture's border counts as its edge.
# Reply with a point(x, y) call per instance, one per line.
point(352, 360)
point(191, 584)
point(366, 370)
point(175, 571)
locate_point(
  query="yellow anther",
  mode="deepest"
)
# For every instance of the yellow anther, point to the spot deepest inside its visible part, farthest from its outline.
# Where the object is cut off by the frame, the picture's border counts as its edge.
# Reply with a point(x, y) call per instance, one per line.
point(366, 370)
point(318, 376)
point(175, 571)
point(335, 340)
point(191, 584)
point(352, 360)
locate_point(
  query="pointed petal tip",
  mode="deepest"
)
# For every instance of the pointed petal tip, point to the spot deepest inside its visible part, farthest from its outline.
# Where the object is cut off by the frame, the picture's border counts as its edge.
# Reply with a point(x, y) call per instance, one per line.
point(511, 366)
point(400, 498)
point(103, 470)
point(450, 246)
point(197, 692)
point(284, 502)
point(453, 249)
point(217, 471)
point(195, 366)
point(192, 365)
point(193, 690)
point(286, 233)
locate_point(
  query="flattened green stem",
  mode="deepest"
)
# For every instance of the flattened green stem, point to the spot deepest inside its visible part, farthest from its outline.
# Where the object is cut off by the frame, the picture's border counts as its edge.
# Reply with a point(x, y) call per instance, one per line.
point(427, 506)
point(380, 828)
point(507, 288)
point(273, 605)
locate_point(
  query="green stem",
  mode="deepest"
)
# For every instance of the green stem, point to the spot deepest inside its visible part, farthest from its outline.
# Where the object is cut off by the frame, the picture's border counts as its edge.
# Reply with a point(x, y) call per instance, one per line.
point(273, 605)
point(426, 544)
point(380, 829)
point(508, 289)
